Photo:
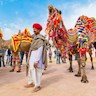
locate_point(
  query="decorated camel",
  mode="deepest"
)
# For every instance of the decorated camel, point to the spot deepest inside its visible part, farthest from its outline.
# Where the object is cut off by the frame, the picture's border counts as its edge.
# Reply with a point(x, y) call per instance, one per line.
point(62, 39)
point(18, 43)
point(86, 37)
point(76, 48)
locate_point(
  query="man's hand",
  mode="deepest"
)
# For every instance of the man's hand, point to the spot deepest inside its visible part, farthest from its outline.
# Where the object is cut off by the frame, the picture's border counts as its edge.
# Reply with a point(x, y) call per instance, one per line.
point(35, 65)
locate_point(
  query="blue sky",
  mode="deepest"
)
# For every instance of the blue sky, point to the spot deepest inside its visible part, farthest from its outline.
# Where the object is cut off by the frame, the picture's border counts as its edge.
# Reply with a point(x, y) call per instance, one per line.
point(19, 14)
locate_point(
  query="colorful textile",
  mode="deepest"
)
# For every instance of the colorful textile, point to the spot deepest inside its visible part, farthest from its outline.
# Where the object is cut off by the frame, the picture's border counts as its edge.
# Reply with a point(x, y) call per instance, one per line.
point(17, 39)
point(72, 36)
point(86, 28)
point(56, 30)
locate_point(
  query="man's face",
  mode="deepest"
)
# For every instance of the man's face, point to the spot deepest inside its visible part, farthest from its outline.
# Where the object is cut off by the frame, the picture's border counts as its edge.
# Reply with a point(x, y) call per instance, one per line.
point(36, 31)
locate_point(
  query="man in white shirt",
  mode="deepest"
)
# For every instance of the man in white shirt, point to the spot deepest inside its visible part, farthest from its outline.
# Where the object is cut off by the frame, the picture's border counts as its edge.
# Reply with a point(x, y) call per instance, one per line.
point(36, 58)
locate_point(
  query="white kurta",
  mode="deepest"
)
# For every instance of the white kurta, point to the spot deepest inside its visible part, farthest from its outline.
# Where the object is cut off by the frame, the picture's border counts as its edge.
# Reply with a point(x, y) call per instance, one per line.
point(36, 56)
point(36, 74)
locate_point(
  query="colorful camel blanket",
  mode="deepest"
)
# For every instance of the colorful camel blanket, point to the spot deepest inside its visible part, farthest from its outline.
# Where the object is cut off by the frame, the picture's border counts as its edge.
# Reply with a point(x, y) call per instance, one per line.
point(56, 30)
point(86, 28)
point(72, 36)
point(16, 40)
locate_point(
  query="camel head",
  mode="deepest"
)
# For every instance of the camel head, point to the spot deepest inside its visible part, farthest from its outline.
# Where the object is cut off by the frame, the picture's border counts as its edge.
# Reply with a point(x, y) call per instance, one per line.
point(4, 43)
point(50, 8)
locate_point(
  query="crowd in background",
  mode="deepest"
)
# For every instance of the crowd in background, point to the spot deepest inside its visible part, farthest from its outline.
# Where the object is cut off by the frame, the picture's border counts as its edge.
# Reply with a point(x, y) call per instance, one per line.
point(6, 57)
point(59, 57)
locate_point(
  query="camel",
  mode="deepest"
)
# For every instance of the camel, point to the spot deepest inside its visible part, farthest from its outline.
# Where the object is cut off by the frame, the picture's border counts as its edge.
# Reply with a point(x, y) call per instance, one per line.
point(7, 44)
point(74, 50)
point(61, 39)
point(84, 26)
point(23, 47)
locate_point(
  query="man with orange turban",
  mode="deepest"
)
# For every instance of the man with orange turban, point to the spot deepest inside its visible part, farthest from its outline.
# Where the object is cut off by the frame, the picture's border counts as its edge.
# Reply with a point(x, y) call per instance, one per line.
point(37, 58)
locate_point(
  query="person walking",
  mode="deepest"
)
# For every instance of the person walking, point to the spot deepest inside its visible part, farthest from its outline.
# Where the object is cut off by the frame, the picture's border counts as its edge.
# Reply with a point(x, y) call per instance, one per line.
point(58, 56)
point(21, 57)
point(2, 53)
point(50, 55)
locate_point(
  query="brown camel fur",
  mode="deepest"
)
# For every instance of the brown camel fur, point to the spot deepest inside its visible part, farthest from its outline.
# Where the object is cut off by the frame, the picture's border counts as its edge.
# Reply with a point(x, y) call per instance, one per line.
point(24, 46)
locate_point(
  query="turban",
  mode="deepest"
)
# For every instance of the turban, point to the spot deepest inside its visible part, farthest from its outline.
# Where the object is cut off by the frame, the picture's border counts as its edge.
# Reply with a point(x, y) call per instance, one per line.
point(37, 26)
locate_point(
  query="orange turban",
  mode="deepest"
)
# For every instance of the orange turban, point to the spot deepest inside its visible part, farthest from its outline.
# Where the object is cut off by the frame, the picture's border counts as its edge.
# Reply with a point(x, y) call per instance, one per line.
point(37, 26)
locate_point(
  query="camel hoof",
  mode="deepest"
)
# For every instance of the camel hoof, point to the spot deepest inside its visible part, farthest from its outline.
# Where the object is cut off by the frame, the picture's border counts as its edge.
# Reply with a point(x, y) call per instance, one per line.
point(92, 68)
point(78, 75)
point(84, 79)
point(71, 70)
point(12, 70)
point(18, 71)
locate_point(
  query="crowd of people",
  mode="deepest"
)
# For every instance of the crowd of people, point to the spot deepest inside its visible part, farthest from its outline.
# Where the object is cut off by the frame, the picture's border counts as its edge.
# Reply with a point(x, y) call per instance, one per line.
point(59, 57)
point(6, 57)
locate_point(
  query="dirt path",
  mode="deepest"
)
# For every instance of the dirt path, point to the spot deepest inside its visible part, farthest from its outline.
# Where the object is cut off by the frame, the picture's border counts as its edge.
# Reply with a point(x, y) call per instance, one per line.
point(56, 81)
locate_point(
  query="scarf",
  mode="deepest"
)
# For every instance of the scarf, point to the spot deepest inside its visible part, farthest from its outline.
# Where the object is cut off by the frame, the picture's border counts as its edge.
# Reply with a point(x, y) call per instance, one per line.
point(38, 41)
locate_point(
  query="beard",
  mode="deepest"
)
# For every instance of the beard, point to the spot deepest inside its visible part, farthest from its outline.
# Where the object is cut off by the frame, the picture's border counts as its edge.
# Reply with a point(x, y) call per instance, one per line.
point(35, 32)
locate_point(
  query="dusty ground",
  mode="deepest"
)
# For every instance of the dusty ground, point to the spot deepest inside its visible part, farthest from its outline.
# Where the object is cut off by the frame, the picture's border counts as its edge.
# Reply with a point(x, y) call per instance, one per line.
point(56, 81)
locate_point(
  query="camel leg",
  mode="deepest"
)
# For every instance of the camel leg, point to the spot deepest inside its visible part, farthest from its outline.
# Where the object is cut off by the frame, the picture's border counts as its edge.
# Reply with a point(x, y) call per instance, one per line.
point(13, 62)
point(79, 65)
point(19, 67)
point(13, 66)
point(91, 61)
point(18, 63)
point(79, 68)
point(70, 60)
point(84, 77)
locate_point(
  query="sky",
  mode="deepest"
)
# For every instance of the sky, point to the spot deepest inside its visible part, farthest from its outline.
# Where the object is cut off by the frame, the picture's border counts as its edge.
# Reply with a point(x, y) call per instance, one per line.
point(21, 14)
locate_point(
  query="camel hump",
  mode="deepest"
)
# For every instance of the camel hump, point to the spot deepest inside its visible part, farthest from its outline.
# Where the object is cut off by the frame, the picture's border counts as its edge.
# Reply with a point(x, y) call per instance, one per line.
point(24, 36)
point(25, 33)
